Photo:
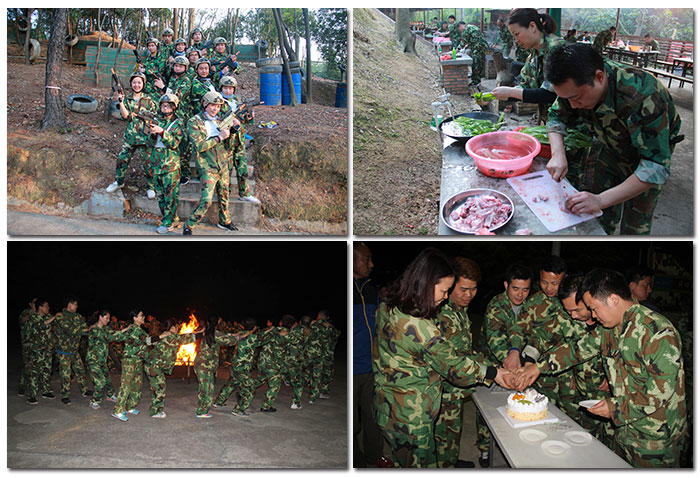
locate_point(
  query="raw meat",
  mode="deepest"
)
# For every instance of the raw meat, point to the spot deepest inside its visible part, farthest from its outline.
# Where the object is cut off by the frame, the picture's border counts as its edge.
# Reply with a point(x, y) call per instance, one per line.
point(480, 212)
point(523, 232)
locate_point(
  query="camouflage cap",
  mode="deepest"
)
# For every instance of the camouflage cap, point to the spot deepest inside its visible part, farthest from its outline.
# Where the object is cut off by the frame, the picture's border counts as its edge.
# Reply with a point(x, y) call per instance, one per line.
point(212, 97)
point(202, 61)
point(181, 60)
point(194, 50)
point(180, 40)
point(219, 40)
point(170, 98)
point(196, 30)
point(152, 40)
point(168, 31)
point(137, 74)
point(227, 81)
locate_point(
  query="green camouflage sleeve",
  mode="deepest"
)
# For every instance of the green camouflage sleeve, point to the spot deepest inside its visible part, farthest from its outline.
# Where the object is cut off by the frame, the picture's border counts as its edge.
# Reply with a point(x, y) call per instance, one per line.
point(226, 339)
point(198, 135)
point(173, 135)
point(495, 320)
point(569, 354)
point(650, 133)
point(558, 116)
point(109, 335)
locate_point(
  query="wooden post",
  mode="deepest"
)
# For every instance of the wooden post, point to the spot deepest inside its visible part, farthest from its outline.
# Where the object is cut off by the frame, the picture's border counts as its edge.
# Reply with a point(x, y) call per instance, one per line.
point(309, 83)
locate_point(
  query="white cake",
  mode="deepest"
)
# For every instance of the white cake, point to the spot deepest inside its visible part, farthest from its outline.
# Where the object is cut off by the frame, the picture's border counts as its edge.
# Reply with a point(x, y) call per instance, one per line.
point(527, 406)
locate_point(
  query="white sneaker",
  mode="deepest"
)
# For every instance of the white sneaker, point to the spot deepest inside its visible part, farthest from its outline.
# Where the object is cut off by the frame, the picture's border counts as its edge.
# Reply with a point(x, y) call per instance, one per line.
point(94, 406)
point(323, 395)
point(252, 199)
point(113, 187)
point(112, 398)
point(164, 230)
point(151, 194)
point(158, 415)
point(295, 406)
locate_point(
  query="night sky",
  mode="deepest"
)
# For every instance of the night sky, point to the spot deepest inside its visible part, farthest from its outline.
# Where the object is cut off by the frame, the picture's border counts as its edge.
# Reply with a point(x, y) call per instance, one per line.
point(232, 279)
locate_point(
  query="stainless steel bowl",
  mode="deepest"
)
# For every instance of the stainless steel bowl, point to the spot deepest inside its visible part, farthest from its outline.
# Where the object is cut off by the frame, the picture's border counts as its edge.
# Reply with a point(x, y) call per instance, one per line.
point(459, 199)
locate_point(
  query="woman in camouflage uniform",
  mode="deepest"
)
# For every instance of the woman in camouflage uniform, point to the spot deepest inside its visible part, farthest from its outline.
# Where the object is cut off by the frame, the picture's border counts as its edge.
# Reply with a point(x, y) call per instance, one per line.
point(411, 357)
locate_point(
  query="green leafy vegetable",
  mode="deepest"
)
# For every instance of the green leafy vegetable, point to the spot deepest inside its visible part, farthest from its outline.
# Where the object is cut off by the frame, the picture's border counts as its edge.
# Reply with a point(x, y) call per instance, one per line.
point(474, 127)
point(574, 139)
point(479, 96)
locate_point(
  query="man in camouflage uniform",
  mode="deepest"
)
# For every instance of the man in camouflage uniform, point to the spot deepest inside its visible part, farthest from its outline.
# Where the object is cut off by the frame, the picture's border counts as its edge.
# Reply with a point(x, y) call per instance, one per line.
point(26, 348)
point(165, 156)
point(219, 57)
point(505, 37)
point(37, 332)
point(641, 353)
point(329, 341)
point(193, 55)
point(99, 336)
point(455, 326)
point(196, 41)
point(166, 47)
point(293, 362)
point(474, 40)
point(69, 327)
point(602, 40)
point(153, 66)
point(270, 364)
point(315, 357)
point(240, 373)
point(633, 117)
point(212, 148)
point(180, 84)
point(135, 134)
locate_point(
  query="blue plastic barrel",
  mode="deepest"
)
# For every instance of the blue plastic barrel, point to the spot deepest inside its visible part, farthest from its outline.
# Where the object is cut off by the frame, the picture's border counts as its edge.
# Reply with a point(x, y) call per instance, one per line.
point(296, 80)
point(341, 95)
point(270, 87)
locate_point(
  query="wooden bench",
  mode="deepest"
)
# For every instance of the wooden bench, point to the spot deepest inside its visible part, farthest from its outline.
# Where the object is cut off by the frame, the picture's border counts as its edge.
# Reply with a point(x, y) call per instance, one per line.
point(658, 71)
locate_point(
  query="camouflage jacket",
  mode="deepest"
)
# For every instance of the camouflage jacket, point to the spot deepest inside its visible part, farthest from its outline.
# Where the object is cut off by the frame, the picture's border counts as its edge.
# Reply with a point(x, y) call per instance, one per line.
point(134, 340)
point(165, 154)
point(136, 130)
point(314, 341)
point(69, 327)
point(245, 354)
point(474, 39)
point(36, 332)
point(98, 343)
point(182, 87)
point(532, 74)
point(642, 358)
point(499, 321)
point(217, 60)
point(163, 354)
point(210, 153)
point(601, 41)
point(272, 352)
point(539, 322)
point(236, 142)
point(200, 87)
point(410, 359)
point(23, 317)
point(153, 65)
point(636, 123)
point(506, 39)
point(294, 343)
point(329, 338)
point(208, 355)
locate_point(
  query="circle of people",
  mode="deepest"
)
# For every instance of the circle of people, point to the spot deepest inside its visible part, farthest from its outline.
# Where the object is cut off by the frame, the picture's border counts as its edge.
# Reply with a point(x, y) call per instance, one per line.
point(580, 336)
point(300, 353)
point(178, 99)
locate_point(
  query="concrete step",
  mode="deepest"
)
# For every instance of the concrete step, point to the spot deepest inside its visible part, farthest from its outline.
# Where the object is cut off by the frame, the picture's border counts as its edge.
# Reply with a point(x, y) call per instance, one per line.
point(251, 169)
point(195, 185)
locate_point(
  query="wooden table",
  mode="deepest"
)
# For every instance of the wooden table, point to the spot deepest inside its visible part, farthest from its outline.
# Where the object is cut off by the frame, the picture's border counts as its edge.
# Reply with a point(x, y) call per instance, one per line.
point(639, 58)
point(685, 63)
point(524, 454)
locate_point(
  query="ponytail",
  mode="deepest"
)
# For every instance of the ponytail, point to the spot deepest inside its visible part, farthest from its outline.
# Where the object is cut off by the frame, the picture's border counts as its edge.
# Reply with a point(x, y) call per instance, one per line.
point(524, 16)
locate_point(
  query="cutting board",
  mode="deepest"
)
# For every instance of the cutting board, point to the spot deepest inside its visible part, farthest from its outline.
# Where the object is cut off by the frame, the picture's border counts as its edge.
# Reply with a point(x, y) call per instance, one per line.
point(520, 423)
point(544, 198)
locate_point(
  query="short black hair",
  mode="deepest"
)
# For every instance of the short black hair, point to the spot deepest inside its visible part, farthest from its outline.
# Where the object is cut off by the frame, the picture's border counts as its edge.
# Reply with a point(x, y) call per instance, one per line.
point(39, 302)
point(69, 300)
point(288, 320)
point(554, 264)
point(648, 35)
point(517, 271)
point(600, 283)
point(637, 273)
point(461, 23)
point(571, 285)
point(453, 17)
point(576, 61)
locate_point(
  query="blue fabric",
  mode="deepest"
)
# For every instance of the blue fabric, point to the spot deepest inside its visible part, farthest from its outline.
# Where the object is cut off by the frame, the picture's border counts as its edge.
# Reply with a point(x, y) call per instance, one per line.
point(361, 327)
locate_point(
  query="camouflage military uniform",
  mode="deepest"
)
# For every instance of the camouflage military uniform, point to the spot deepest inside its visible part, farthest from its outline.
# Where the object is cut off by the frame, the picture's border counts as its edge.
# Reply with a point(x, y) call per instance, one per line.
point(70, 326)
point(132, 369)
point(200, 87)
point(165, 158)
point(506, 39)
point(499, 321)
point(160, 361)
point(270, 363)
point(601, 41)
point(638, 127)
point(153, 65)
point(475, 40)
point(330, 339)
point(410, 359)
point(212, 159)
point(294, 343)
point(205, 365)
point(217, 60)
point(96, 359)
point(240, 376)
point(532, 73)
point(642, 358)
point(135, 136)
point(455, 327)
point(25, 370)
point(314, 355)
point(237, 159)
point(521, 53)
point(182, 87)
point(38, 336)
point(570, 37)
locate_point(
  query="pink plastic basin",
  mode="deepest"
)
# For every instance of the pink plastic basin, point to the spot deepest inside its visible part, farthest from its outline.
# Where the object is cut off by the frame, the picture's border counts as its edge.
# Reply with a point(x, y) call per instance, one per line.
point(503, 154)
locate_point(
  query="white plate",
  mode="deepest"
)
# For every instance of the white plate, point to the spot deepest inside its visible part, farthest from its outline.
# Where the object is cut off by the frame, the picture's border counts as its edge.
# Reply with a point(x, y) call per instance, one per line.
point(531, 435)
point(578, 438)
point(555, 447)
point(588, 403)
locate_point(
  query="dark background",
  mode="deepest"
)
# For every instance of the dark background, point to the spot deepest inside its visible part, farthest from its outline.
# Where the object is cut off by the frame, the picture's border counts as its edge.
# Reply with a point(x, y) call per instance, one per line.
point(233, 280)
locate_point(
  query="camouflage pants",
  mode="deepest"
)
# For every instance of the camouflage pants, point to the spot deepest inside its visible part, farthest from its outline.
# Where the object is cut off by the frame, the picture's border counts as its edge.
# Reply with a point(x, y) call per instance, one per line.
point(238, 378)
point(156, 380)
point(448, 429)
point(123, 158)
point(567, 395)
point(240, 164)
point(313, 378)
point(634, 215)
point(99, 373)
point(212, 179)
point(206, 376)
point(327, 374)
point(39, 372)
point(185, 154)
point(167, 188)
point(66, 362)
point(246, 390)
point(295, 379)
point(25, 370)
point(483, 434)
point(648, 453)
point(479, 64)
point(130, 388)
point(548, 385)
point(273, 377)
point(412, 444)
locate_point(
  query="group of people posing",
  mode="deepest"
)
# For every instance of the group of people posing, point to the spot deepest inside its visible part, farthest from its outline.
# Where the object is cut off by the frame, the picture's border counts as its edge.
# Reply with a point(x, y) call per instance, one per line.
point(298, 352)
point(174, 110)
point(577, 337)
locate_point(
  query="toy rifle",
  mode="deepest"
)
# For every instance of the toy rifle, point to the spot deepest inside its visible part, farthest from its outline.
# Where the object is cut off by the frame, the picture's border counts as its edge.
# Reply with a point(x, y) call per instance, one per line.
point(117, 86)
point(147, 117)
point(219, 65)
point(139, 61)
point(243, 113)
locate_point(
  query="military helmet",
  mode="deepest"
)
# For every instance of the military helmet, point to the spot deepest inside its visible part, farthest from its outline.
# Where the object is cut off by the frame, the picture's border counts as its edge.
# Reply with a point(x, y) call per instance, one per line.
point(170, 98)
point(195, 31)
point(180, 40)
point(227, 81)
point(138, 74)
point(181, 60)
point(152, 40)
point(168, 31)
point(212, 97)
point(200, 61)
point(219, 40)
point(194, 50)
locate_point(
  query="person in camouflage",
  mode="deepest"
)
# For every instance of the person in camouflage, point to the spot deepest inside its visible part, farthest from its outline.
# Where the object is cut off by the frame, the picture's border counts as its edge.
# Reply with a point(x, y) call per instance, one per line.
point(153, 66)
point(69, 327)
point(315, 357)
point(196, 41)
point(455, 326)
point(240, 373)
point(294, 343)
point(633, 117)
point(207, 361)
point(474, 39)
point(166, 47)
point(570, 36)
point(329, 341)
point(641, 353)
point(212, 148)
point(136, 341)
point(411, 357)
point(164, 141)
point(505, 37)
point(270, 363)
point(26, 347)
point(135, 132)
point(160, 361)
point(201, 85)
point(602, 40)
point(220, 56)
point(193, 55)
point(37, 333)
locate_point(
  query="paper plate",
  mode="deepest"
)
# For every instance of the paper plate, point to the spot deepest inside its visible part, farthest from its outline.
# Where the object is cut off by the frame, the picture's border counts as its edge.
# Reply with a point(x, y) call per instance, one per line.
point(531, 435)
point(555, 447)
point(588, 403)
point(578, 438)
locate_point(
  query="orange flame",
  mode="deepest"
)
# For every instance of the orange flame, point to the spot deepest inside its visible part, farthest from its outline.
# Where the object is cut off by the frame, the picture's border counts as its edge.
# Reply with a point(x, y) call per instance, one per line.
point(186, 353)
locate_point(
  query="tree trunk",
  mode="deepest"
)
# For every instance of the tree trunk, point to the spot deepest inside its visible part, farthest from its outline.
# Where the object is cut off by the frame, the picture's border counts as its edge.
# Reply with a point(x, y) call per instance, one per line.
point(284, 38)
point(285, 61)
point(235, 26)
point(190, 20)
point(99, 45)
point(175, 25)
point(27, 35)
point(53, 101)
point(403, 30)
point(138, 33)
point(309, 94)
